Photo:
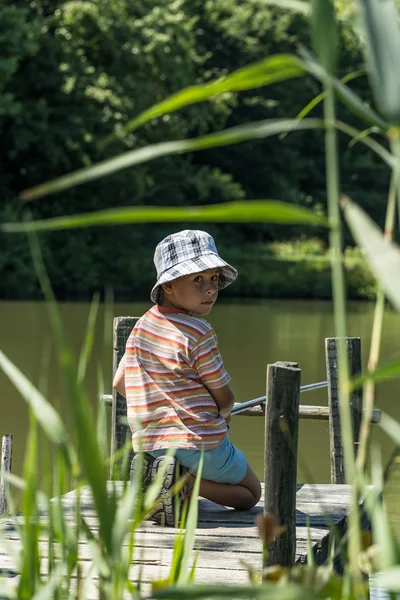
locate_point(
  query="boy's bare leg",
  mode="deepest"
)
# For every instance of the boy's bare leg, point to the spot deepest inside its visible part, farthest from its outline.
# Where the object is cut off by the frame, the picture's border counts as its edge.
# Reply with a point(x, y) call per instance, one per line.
point(242, 496)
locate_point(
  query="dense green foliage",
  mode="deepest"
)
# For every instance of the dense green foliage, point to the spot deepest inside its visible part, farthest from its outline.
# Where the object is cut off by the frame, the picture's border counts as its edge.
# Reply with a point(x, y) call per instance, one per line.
point(72, 72)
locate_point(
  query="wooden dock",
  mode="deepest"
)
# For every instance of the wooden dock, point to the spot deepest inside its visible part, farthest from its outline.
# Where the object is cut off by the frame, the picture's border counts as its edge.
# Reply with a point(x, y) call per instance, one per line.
point(227, 539)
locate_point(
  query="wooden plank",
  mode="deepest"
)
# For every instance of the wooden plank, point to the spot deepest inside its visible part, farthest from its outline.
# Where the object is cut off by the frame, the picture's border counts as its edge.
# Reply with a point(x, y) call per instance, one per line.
point(306, 411)
point(120, 431)
point(232, 540)
point(152, 572)
point(5, 467)
point(323, 493)
point(353, 350)
point(319, 514)
point(8, 528)
point(225, 558)
point(324, 488)
point(225, 536)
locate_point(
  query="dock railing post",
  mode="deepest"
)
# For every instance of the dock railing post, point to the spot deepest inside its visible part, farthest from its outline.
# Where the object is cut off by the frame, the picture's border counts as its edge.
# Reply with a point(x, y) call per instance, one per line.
point(353, 346)
point(281, 442)
point(5, 467)
point(120, 431)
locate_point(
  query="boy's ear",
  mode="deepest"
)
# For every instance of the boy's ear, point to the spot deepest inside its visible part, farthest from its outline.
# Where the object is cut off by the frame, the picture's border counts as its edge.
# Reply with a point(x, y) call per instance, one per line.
point(167, 287)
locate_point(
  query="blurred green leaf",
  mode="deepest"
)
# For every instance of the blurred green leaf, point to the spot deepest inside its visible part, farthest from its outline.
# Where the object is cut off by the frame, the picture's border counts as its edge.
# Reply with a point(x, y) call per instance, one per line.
point(368, 141)
point(48, 418)
point(254, 211)
point(383, 256)
point(320, 97)
point(391, 427)
point(344, 93)
point(90, 455)
point(294, 5)
point(49, 588)
point(390, 579)
point(234, 135)
point(87, 348)
point(324, 31)
point(268, 591)
point(381, 36)
point(383, 372)
point(264, 72)
point(191, 524)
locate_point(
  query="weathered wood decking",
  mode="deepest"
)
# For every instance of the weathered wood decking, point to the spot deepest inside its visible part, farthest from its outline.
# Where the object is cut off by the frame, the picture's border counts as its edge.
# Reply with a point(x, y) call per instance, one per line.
point(226, 538)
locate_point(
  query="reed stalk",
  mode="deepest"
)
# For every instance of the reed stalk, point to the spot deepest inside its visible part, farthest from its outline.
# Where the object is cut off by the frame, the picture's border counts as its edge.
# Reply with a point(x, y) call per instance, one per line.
point(339, 304)
point(377, 328)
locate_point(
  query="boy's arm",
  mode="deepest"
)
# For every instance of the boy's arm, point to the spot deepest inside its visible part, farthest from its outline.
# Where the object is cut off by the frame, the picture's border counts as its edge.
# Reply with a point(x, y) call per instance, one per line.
point(224, 399)
point(119, 381)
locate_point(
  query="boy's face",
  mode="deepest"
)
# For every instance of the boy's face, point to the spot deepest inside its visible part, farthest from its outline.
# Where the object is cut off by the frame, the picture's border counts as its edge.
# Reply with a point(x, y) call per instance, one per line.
point(193, 293)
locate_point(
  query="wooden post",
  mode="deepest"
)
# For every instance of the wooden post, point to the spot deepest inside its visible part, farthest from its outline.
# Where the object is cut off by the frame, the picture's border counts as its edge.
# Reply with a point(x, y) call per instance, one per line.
point(5, 466)
point(120, 431)
point(353, 347)
point(281, 441)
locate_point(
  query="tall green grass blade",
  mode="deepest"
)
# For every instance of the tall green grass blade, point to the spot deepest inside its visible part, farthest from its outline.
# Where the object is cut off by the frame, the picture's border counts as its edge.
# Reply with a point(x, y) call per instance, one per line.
point(344, 93)
point(368, 141)
point(102, 422)
point(188, 543)
point(391, 427)
point(382, 373)
point(7, 591)
point(89, 454)
point(176, 557)
point(324, 32)
point(263, 72)
point(88, 339)
point(96, 554)
point(268, 591)
point(362, 135)
point(153, 491)
point(47, 416)
point(390, 579)
point(30, 559)
point(383, 256)
point(234, 135)
point(252, 211)
point(50, 588)
point(124, 513)
point(86, 582)
point(381, 36)
point(380, 523)
point(320, 97)
point(20, 484)
point(310, 553)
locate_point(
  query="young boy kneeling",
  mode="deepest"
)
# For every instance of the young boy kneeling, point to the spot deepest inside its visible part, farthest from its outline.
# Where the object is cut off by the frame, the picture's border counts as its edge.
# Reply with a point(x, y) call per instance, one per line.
point(174, 380)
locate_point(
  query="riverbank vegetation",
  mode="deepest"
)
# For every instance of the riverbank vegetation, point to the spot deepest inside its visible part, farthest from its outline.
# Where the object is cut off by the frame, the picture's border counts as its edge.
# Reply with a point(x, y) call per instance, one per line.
point(74, 72)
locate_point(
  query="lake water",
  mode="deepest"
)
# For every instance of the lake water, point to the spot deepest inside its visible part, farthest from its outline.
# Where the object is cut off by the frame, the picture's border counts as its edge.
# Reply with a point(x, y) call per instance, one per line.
point(251, 335)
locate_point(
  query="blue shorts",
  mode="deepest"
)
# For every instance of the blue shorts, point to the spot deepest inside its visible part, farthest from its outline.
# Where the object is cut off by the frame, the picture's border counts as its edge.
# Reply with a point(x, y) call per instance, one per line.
point(224, 464)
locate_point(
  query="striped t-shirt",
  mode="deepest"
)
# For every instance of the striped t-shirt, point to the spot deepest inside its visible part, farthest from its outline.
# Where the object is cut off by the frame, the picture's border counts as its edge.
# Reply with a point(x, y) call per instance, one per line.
point(171, 361)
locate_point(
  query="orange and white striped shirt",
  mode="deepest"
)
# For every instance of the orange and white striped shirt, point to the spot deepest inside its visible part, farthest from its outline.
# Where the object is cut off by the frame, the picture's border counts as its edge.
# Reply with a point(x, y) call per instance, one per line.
point(171, 360)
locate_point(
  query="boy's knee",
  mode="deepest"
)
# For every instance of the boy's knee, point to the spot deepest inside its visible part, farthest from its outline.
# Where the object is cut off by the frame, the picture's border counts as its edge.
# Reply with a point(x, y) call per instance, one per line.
point(256, 493)
point(259, 492)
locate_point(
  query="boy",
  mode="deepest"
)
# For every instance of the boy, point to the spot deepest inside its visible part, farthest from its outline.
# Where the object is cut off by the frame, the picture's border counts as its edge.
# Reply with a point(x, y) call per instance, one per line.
point(174, 380)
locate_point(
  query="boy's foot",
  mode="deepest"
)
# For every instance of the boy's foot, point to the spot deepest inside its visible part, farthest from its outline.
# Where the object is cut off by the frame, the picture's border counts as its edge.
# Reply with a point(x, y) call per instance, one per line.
point(170, 503)
point(147, 466)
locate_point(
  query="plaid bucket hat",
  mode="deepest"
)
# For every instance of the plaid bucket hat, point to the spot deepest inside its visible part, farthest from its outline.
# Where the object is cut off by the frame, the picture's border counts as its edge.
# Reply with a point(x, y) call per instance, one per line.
point(186, 252)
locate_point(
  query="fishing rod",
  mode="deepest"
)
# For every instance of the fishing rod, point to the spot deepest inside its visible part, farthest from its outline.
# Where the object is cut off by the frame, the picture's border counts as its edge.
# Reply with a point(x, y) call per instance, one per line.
point(262, 399)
